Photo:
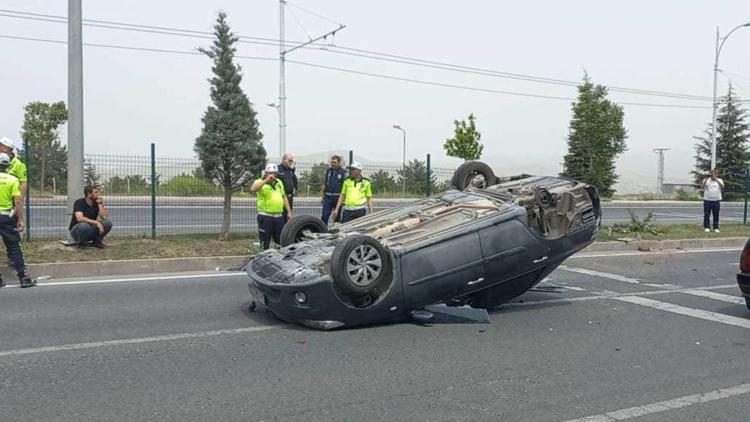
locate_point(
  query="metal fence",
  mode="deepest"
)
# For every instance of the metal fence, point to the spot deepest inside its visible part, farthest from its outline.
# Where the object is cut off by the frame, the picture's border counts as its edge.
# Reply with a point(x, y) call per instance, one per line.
point(186, 202)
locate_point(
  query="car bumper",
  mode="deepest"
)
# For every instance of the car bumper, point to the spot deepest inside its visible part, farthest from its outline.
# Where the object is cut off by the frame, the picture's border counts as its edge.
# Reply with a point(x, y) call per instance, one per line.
point(322, 308)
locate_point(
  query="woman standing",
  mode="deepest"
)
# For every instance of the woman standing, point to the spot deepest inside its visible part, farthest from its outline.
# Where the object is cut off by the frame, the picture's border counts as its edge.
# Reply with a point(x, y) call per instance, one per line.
point(712, 188)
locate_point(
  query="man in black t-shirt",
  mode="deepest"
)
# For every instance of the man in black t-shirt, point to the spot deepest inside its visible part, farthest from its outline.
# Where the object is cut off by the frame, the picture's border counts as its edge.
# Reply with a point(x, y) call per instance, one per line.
point(90, 223)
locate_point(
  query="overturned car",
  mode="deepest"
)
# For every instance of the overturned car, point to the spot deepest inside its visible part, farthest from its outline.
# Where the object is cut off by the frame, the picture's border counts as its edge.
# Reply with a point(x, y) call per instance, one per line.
point(481, 244)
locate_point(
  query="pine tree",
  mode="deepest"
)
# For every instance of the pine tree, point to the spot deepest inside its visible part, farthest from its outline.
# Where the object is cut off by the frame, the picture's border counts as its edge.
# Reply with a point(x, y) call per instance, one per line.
point(383, 182)
point(465, 141)
point(732, 152)
point(90, 176)
point(596, 137)
point(229, 146)
point(413, 177)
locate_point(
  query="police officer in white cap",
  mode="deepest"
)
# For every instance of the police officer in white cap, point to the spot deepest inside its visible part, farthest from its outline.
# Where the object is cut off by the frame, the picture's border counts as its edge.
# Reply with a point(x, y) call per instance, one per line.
point(12, 222)
point(273, 205)
point(17, 167)
point(356, 195)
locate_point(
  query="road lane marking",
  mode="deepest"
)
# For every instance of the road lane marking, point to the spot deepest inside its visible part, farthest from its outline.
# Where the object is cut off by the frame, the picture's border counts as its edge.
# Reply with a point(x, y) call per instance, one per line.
point(130, 341)
point(601, 274)
point(682, 310)
point(582, 255)
point(126, 280)
point(663, 406)
point(715, 296)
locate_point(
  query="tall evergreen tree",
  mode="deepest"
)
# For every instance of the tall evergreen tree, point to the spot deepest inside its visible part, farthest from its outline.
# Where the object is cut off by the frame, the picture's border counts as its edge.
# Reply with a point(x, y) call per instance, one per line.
point(595, 138)
point(90, 176)
point(48, 157)
point(413, 177)
point(229, 146)
point(732, 151)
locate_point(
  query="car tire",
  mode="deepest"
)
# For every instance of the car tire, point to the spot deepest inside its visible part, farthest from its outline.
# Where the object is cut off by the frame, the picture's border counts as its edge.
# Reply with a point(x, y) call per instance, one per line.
point(293, 229)
point(468, 174)
point(360, 265)
point(747, 302)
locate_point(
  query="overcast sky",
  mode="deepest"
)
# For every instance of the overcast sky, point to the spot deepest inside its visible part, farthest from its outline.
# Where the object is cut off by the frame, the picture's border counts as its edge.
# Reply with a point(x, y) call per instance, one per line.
point(132, 98)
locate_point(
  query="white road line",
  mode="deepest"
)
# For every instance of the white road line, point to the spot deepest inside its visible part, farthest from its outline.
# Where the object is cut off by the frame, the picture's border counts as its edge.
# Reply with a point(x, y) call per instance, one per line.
point(125, 280)
point(583, 255)
point(715, 296)
point(140, 340)
point(610, 276)
point(682, 310)
point(574, 288)
point(663, 406)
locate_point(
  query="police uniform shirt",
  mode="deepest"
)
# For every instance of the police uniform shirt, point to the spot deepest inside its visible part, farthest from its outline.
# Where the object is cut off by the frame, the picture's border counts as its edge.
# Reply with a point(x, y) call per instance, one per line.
point(9, 189)
point(289, 178)
point(334, 180)
point(356, 192)
point(271, 198)
point(17, 168)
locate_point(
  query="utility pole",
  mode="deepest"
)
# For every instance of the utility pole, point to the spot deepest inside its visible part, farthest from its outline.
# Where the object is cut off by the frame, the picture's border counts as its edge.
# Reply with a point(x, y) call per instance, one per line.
point(282, 70)
point(75, 102)
point(660, 170)
point(403, 156)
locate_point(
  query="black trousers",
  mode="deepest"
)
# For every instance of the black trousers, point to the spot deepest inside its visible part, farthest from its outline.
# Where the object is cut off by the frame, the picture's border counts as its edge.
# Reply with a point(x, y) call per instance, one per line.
point(12, 240)
point(349, 215)
point(269, 228)
point(711, 207)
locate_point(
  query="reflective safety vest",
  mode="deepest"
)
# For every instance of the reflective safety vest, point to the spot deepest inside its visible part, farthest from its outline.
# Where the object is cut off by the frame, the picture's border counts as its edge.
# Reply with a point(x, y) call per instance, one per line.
point(271, 198)
point(356, 192)
point(17, 168)
point(9, 189)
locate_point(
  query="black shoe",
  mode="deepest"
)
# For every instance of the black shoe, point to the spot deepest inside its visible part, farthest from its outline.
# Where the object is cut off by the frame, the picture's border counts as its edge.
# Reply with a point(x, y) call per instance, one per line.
point(26, 282)
point(99, 245)
point(2, 283)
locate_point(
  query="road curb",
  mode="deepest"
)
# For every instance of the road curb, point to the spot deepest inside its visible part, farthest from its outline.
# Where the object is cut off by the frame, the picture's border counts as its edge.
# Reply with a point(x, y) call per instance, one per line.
point(128, 267)
point(660, 245)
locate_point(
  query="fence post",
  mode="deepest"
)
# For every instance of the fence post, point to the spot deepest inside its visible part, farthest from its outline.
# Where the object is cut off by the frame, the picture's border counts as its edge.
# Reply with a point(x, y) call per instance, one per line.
point(351, 160)
point(153, 191)
point(747, 187)
point(429, 176)
point(26, 157)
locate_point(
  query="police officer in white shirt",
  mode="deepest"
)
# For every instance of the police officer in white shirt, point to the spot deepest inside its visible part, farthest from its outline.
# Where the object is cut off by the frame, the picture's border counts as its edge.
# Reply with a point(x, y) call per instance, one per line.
point(712, 187)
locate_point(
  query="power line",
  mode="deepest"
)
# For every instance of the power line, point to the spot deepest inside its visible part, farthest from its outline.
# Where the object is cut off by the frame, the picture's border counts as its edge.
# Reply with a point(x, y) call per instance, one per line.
point(355, 52)
point(352, 71)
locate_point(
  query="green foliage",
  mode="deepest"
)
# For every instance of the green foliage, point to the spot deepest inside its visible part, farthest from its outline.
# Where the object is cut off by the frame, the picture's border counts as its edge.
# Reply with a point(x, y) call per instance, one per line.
point(596, 137)
point(414, 176)
point(90, 176)
point(732, 153)
point(229, 146)
point(636, 226)
point(465, 141)
point(128, 185)
point(310, 181)
point(187, 185)
point(384, 182)
point(48, 157)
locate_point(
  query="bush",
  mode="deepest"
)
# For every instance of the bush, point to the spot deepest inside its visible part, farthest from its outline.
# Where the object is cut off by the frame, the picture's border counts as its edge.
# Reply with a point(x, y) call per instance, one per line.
point(683, 195)
point(189, 186)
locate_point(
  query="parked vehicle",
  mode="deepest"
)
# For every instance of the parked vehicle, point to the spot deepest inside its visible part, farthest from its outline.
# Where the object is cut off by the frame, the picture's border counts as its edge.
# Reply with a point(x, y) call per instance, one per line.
point(481, 244)
point(743, 277)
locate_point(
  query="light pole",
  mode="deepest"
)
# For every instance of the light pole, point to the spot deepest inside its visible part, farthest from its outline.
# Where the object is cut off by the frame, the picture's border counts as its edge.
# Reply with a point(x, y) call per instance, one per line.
point(719, 46)
point(281, 128)
point(403, 157)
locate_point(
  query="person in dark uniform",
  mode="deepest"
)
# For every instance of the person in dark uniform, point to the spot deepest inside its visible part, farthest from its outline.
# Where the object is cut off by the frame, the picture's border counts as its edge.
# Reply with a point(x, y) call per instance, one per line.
point(288, 177)
point(12, 222)
point(331, 187)
point(272, 202)
point(356, 195)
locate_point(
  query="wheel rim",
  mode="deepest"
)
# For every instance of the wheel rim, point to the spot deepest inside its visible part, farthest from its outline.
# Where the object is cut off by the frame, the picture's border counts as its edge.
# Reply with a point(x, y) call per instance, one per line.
point(364, 265)
point(477, 180)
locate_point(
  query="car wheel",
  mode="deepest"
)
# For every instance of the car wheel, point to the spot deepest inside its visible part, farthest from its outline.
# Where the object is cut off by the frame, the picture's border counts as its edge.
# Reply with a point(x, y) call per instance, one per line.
point(361, 265)
point(473, 174)
point(294, 229)
point(747, 302)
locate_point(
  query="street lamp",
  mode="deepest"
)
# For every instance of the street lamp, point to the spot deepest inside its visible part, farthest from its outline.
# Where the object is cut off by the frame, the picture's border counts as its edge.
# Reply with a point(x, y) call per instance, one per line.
point(719, 46)
point(281, 129)
point(403, 157)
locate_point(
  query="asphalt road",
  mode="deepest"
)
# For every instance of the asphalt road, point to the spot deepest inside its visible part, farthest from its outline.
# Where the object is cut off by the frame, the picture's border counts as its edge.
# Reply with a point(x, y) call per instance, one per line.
point(663, 337)
point(205, 216)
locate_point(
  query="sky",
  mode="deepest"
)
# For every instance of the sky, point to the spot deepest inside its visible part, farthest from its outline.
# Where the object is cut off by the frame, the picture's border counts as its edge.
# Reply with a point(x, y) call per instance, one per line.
point(133, 98)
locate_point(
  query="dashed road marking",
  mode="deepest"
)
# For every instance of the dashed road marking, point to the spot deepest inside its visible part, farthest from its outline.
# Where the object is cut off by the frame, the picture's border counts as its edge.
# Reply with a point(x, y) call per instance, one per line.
point(129, 341)
point(715, 296)
point(682, 310)
point(663, 406)
point(601, 274)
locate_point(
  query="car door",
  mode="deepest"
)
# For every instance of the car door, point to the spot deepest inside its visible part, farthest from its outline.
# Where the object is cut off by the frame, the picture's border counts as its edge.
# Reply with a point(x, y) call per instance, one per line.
point(442, 269)
point(509, 249)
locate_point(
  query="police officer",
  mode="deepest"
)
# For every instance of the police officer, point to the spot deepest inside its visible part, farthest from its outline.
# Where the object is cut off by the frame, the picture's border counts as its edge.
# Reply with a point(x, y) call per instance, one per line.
point(331, 187)
point(17, 167)
point(11, 205)
point(356, 195)
point(272, 204)
point(288, 177)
